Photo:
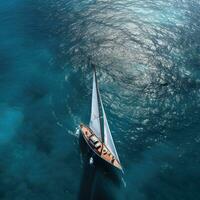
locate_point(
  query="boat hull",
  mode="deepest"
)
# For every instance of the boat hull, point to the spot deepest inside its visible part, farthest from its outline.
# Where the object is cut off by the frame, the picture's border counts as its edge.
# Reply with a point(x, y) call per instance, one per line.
point(98, 147)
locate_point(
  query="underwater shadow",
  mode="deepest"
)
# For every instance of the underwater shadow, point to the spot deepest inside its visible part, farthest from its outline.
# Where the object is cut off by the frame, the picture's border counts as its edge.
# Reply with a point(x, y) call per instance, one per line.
point(99, 179)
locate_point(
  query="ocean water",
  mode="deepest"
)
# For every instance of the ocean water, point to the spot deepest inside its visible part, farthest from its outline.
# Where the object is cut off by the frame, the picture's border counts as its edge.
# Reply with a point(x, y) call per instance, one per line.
point(147, 54)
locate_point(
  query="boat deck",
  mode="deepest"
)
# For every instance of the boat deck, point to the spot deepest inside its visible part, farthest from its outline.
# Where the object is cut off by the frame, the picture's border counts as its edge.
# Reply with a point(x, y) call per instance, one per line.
point(98, 147)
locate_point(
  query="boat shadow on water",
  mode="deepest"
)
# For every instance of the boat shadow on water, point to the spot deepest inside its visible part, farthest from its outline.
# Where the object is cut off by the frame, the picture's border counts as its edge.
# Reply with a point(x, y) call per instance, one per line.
point(99, 179)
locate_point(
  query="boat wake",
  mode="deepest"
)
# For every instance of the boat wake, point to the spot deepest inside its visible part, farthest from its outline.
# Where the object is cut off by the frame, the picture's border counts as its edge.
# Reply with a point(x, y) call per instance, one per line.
point(124, 182)
point(77, 132)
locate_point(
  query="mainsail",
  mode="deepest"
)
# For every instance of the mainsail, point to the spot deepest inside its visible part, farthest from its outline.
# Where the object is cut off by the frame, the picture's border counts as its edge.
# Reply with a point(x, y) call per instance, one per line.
point(95, 123)
point(108, 140)
point(95, 114)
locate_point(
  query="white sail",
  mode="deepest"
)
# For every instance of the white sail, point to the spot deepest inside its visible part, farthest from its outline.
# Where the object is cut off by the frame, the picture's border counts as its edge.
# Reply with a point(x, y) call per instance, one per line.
point(108, 140)
point(95, 116)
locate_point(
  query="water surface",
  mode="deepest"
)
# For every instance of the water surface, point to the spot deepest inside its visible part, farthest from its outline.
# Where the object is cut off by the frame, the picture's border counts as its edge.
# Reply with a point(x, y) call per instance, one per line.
point(147, 55)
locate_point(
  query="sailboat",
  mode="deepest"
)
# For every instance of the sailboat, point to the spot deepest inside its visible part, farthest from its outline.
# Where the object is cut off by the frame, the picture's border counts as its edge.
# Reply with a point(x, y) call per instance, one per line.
point(98, 135)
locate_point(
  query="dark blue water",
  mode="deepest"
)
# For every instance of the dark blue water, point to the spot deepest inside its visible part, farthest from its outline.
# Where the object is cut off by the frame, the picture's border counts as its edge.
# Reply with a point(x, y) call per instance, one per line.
point(148, 58)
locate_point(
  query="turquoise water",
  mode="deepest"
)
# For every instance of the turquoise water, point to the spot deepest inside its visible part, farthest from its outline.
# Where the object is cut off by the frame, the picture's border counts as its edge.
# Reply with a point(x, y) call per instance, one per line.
point(148, 57)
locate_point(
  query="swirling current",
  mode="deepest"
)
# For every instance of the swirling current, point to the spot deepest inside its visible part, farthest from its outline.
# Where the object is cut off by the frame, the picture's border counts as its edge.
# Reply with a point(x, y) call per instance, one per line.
point(147, 54)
